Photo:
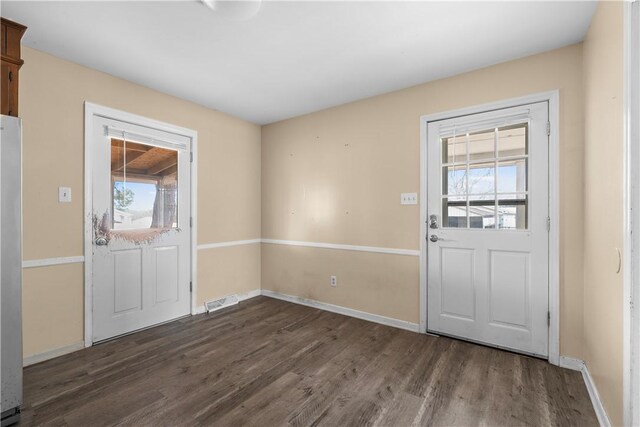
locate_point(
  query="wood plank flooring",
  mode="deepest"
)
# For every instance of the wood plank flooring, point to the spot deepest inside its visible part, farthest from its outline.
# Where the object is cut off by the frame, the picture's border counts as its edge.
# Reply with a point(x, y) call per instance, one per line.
point(267, 362)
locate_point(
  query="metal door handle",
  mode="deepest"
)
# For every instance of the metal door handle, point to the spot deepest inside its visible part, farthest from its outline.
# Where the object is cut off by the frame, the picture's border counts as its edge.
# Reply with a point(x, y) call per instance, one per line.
point(433, 238)
point(433, 221)
point(101, 241)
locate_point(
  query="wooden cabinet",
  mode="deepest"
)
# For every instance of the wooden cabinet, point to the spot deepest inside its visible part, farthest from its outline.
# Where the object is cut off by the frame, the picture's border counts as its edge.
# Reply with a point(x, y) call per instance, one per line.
point(10, 36)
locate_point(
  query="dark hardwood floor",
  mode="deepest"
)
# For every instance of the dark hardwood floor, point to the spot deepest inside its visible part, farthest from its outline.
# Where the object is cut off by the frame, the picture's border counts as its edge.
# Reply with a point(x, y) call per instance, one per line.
point(267, 362)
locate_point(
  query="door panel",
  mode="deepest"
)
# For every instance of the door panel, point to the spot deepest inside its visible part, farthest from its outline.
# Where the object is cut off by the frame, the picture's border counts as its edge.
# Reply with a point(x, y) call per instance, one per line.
point(127, 280)
point(487, 253)
point(458, 295)
point(167, 277)
point(142, 245)
point(509, 288)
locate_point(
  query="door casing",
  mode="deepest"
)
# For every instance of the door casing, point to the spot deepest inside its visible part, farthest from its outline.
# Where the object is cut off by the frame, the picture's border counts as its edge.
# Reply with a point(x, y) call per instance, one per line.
point(630, 261)
point(552, 97)
point(91, 110)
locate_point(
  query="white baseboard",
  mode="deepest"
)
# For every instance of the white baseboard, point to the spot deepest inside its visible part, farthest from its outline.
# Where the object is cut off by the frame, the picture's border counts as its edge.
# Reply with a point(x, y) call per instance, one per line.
point(241, 297)
point(396, 323)
point(579, 365)
point(50, 354)
point(571, 363)
point(603, 418)
point(251, 294)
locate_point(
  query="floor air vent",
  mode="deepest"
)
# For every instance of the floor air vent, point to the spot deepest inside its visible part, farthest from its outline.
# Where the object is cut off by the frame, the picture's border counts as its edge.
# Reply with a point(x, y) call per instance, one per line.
point(220, 303)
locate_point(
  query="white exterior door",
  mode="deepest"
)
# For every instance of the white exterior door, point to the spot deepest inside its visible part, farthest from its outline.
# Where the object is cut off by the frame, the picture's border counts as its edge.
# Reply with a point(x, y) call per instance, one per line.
point(141, 227)
point(487, 228)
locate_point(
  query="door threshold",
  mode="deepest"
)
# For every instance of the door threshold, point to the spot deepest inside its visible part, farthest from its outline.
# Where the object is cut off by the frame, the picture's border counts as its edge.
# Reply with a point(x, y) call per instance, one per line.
point(484, 344)
point(140, 330)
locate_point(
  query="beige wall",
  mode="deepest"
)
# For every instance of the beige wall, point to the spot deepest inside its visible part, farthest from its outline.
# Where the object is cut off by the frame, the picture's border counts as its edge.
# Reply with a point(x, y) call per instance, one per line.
point(52, 93)
point(52, 298)
point(227, 271)
point(370, 282)
point(336, 176)
point(603, 204)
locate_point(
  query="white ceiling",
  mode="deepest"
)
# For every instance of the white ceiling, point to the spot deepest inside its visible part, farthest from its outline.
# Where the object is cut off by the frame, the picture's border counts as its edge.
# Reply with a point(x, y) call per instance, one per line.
point(294, 57)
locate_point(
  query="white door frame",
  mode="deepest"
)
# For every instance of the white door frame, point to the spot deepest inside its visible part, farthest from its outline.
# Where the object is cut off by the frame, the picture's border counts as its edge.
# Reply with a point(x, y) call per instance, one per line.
point(552, 98)
point(631, 263)
point(91, 110)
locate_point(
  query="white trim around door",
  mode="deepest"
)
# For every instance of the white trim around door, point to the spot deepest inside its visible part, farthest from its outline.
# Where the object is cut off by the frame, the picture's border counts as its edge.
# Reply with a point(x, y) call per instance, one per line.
point(91, 110)
point(631, 263)
point(552, 97)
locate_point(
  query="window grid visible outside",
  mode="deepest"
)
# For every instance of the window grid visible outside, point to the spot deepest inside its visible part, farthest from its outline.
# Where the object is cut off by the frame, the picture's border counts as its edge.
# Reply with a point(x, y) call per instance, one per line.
point(485, 181)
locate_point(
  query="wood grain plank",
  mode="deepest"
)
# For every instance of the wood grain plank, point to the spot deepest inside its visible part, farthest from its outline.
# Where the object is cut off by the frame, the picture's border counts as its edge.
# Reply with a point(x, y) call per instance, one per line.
point(267, 362)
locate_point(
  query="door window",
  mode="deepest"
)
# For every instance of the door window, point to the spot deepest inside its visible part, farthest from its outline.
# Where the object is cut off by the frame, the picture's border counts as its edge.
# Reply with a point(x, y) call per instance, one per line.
point(484, 179)
point(144, 182)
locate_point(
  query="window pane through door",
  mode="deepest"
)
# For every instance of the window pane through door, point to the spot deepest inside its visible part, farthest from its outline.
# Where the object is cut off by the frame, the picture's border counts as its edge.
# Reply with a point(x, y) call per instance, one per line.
point(485, 179)
point(144, 182)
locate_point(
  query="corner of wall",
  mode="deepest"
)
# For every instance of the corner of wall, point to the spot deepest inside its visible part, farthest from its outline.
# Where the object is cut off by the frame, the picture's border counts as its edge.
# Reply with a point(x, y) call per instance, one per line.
point(603, 67)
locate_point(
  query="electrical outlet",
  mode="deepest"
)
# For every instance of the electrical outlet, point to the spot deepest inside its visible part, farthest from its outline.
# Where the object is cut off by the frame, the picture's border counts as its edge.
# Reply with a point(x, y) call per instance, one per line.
point(409, 198)
point(334, 281)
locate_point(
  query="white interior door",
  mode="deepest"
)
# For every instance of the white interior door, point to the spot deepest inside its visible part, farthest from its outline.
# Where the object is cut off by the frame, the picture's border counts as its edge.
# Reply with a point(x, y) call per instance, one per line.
point(141, 227)
point(487, 231)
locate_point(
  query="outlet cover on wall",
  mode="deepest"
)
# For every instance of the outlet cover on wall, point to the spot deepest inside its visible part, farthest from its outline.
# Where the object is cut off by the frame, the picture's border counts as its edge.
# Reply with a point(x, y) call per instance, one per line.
point(64, 194)
point(334, 281)
point(409, 198)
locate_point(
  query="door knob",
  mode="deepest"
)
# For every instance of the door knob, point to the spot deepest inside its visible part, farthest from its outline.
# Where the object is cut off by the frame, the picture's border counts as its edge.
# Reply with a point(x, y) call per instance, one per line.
point(101, 241)
point(433, 238)
point(433, 221)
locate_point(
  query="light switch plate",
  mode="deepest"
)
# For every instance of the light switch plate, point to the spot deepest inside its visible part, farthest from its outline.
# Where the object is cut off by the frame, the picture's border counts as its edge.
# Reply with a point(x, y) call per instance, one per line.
point(409, 198)
point(64, 194)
